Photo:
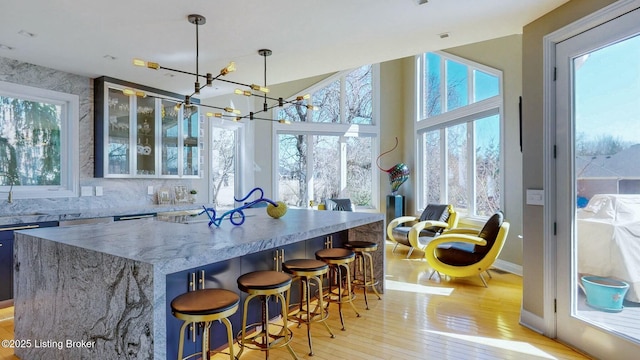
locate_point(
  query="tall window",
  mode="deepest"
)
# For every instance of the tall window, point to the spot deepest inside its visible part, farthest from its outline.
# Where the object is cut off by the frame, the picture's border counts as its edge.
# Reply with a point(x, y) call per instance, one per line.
point(329, 152)
point(226, 138)
point(459, 134)
point(38, 141)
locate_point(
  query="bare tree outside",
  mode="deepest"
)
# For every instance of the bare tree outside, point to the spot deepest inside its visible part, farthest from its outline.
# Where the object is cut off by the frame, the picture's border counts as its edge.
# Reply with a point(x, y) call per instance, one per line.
point(432, 167)
point(29, 142)
point(487, 180)
point(292, 182)
point(457, 186)
point(293, 149)
point(223, 155)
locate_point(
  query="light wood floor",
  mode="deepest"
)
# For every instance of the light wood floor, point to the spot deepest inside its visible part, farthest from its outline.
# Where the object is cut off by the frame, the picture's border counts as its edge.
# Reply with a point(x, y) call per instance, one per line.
point(417, 318)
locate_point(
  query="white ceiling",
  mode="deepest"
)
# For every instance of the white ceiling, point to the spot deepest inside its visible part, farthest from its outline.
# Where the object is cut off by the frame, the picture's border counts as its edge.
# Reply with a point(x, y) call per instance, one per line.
point(308, 37)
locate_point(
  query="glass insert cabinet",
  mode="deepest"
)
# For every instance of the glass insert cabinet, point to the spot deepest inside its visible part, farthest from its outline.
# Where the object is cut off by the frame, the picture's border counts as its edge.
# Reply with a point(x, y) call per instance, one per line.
point(141, 133)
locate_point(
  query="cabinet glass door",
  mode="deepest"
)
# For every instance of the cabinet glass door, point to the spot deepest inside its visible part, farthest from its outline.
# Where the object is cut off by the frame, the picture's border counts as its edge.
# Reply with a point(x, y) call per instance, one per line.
point(145, 135)
point(118, 133)
point(169, 133)
point(190, 131)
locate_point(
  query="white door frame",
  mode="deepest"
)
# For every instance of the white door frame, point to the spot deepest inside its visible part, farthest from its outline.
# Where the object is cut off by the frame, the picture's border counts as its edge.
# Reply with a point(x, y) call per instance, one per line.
point(549, 127)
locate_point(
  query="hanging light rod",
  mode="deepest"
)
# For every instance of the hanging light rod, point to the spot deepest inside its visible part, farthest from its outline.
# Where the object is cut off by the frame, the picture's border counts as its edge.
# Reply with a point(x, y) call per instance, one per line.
point(199, 20)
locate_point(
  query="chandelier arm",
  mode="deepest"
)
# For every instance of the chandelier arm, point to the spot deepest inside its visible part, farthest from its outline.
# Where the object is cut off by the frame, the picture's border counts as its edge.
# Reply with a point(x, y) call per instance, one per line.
point(290, 102)
point(213, 107)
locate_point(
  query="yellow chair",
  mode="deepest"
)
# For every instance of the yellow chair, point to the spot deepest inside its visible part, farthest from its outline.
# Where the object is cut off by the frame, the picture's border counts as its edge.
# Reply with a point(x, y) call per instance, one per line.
point(465, 252)
point(434, 220)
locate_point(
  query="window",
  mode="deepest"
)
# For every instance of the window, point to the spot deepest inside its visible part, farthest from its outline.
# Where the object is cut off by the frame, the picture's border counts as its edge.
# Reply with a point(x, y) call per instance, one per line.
point(459, 134)
point(330, 152)
point(38, 142)
point(224, 163)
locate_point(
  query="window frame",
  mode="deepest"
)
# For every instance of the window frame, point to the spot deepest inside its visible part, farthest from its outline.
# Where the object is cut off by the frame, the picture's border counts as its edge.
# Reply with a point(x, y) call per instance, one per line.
point(341, 130)
point(69, 142)
point(465, 114)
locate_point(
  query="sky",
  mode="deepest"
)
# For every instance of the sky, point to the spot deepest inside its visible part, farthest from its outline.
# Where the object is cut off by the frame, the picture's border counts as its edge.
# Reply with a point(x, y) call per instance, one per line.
point(607, 88)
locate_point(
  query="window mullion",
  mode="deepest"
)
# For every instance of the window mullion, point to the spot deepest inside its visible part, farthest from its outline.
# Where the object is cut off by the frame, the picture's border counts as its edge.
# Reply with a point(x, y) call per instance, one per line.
point(343, 163)
point(443, 86)
point(309, 171)
point(471, 171)
point(444, 192)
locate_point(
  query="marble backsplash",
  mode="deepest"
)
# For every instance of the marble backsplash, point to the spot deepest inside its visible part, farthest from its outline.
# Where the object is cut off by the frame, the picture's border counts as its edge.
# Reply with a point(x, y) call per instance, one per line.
point(117, 192)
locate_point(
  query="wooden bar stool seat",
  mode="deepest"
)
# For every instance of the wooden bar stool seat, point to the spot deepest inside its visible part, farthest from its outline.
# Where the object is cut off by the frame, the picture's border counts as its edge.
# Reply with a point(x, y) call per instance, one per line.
point(265, 285)
point(206, 305)
point(309, 272)
point(362, 265)
point(338, 260)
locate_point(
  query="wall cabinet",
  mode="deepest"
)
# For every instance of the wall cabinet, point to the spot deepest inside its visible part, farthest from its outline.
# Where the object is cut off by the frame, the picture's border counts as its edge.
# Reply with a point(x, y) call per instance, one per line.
point(6, 255)
point(141, 133)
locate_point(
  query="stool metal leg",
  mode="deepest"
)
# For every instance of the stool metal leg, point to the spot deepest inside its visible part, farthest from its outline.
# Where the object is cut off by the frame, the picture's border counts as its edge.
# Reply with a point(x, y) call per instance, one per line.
point(373, 282)
point(338, 268)
point(361, 265)
point(265, 321)
point(307, 297)
point(285, 328)
point(320, 308)
point(227, 324)
point(181, 345)
point(349, 290)
point(205, 340)
point(319, 313)
point(253, 341)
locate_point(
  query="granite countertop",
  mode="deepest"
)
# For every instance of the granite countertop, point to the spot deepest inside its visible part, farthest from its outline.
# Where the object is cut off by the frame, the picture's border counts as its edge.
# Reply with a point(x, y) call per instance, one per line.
point(171, 247)
point(76, 214)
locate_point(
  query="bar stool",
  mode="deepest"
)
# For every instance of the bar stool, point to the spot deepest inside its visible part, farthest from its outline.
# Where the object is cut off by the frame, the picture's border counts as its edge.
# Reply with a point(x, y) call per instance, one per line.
point(265, 284)
point(206, 305)
point(308, 271)
point(338, 260)
point(362, 264)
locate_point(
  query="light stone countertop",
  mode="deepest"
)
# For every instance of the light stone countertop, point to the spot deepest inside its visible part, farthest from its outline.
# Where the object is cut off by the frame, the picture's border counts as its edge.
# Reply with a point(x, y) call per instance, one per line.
point(76, 214)
point(171, 247)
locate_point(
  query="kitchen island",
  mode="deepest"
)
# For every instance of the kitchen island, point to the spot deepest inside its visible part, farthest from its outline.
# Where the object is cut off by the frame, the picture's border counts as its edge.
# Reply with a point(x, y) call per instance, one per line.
point(100, 290)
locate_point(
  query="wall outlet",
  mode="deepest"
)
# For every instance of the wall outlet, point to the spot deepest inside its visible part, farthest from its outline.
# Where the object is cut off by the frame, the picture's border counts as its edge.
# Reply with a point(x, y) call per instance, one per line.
point(99, 191)
point(150, 190)
point(86, 191)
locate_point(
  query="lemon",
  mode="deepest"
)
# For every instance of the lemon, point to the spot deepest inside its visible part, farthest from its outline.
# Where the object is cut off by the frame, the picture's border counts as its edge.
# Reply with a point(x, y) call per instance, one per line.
point(277, 211)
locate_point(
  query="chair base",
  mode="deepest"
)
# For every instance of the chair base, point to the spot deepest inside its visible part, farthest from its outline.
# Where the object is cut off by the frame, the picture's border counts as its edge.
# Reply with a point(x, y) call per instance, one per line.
point(411, 248)
point(484, 282)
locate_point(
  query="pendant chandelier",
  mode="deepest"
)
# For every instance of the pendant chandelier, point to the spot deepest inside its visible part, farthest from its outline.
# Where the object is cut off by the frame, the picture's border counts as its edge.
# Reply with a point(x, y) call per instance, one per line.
point(248, 89)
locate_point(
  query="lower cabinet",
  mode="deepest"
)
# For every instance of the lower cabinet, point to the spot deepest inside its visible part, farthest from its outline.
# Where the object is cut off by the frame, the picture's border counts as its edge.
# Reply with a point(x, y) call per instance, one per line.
point(6, 267)
point(224, 275)
point(6, 255)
